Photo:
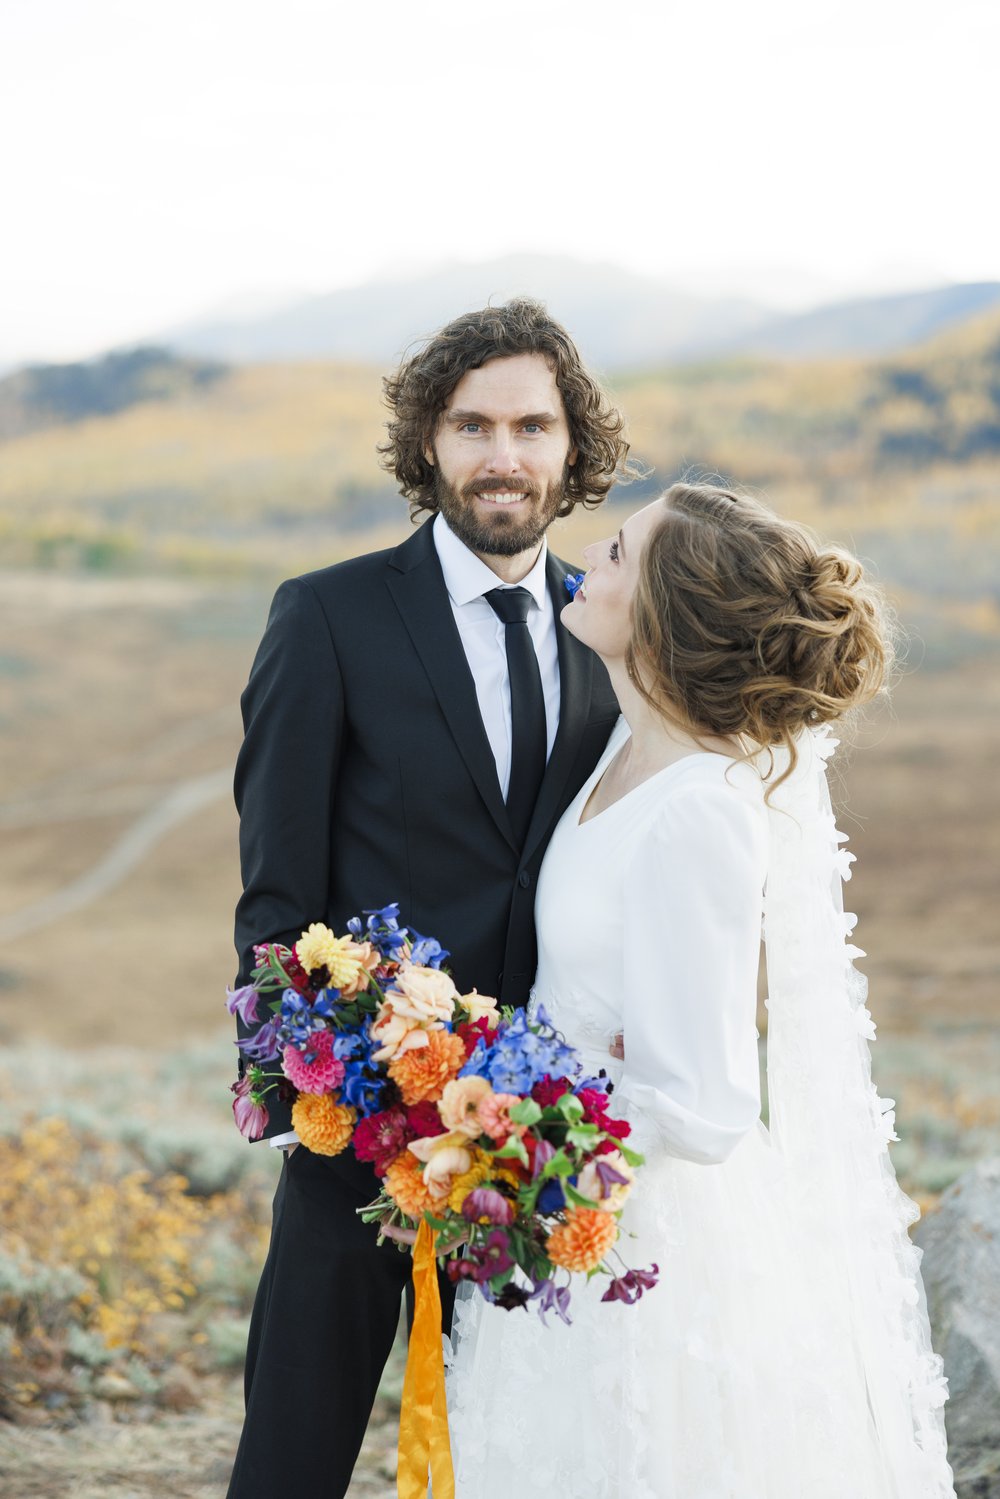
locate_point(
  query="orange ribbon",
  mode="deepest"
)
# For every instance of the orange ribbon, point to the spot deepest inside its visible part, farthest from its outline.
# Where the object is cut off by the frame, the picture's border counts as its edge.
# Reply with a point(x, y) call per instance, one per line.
point(424, 1446)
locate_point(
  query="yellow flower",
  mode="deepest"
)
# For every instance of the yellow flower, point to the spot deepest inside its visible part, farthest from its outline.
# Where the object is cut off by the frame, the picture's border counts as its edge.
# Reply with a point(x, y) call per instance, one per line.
point(463, 1185)
point(324, 1127)
point(477, 1005)
point(342, 958)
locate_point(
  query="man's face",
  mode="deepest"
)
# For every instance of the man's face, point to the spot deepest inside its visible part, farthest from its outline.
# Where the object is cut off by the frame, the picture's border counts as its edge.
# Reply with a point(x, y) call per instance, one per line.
point(501, 453)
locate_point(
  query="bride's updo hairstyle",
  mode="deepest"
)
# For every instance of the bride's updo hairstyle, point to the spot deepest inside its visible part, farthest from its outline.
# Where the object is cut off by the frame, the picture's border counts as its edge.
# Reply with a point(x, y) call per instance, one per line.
point(743, 624)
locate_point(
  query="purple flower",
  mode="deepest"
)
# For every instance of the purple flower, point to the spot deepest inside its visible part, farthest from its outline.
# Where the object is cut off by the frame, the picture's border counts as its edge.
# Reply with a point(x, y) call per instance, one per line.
point(630, 1286)
point(551, 1297)
point(488, 1203)
point(243, 1002)
point(609, 1177)
point(493, 1257)
point(262, 1046)
point(621, 1289)
point(544, 1151)
point(249, 1110)
point(645, 1280)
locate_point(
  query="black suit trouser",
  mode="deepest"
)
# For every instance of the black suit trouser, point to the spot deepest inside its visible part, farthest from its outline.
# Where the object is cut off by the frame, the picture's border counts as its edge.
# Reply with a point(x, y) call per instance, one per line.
point(323, 1324)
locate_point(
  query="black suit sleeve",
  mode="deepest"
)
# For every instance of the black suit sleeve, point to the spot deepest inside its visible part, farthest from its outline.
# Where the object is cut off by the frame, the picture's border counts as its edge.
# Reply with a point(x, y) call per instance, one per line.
point(293, 719)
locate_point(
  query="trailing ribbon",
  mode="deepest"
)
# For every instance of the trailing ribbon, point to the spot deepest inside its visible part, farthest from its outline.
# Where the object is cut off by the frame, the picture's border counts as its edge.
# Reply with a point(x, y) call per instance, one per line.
point(424, 1445)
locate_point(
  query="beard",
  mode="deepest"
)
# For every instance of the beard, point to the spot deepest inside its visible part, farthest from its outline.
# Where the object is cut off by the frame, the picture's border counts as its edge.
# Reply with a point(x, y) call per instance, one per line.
point(499, 534)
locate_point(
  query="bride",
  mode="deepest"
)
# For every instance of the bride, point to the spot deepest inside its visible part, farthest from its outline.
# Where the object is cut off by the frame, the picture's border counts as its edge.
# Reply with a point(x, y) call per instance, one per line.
point(784, 1353)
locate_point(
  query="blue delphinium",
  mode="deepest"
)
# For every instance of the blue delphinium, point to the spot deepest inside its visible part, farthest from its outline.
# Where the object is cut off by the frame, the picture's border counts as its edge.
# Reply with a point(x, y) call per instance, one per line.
point(521, 1053)
point(364, 1084)
point(298, 1020)
point(572, 582)
point(427, 951)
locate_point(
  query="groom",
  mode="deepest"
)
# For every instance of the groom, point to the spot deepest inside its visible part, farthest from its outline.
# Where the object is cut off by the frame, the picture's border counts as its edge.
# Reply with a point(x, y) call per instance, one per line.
point(416, 722)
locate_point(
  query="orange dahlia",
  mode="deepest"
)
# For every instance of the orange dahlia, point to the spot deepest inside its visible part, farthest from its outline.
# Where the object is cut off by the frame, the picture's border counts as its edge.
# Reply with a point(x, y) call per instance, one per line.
point(583, 1240)
point(324, 1127)
point(422, 1073)
point(404, 1181)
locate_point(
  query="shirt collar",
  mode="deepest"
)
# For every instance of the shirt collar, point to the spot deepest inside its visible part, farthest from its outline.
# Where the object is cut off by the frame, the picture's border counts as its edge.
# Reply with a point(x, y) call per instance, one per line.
point(467, 577)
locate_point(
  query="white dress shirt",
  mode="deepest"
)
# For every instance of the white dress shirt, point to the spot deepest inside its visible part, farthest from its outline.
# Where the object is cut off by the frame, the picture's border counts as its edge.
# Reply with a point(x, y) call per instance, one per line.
point(467, 578)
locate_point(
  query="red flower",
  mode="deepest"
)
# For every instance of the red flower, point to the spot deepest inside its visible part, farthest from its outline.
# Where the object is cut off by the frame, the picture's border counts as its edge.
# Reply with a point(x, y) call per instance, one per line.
point(620, 1128)
point(298, 977)
point(595, 1105)
point(381, 1138)
point(471, 1031)
point(424, 1120)
point(548, 1090)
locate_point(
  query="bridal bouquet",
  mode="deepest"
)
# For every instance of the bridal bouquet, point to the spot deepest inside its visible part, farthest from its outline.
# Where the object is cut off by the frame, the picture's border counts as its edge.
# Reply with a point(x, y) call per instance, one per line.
point(481, 1124)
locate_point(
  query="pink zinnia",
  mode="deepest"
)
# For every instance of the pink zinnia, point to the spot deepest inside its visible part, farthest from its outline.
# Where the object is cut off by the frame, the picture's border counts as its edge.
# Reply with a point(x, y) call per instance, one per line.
point(492, 1112)
point(320, 1075)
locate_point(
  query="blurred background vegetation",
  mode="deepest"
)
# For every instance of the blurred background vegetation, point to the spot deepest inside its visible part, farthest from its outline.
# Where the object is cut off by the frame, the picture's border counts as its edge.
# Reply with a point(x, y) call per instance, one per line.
point(149, 502)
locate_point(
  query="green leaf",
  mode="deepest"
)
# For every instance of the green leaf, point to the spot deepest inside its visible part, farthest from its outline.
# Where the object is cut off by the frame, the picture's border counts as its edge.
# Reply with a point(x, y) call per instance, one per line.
point(513, 1149)
point(436, 1223)
point(558, 1165)
point(583, 1135)
point(578, 1198)
point(525, 1112)
point(570, 1107)
point(497, 1282)
point(633, 1157)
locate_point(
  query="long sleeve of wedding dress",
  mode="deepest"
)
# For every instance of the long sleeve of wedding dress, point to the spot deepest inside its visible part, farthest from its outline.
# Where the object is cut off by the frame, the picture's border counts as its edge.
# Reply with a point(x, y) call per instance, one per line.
point(692, 901)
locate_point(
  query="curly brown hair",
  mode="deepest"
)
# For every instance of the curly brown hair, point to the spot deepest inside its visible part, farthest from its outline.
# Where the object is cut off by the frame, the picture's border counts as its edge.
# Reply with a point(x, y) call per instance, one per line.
point(743, 624)
point(418, 393)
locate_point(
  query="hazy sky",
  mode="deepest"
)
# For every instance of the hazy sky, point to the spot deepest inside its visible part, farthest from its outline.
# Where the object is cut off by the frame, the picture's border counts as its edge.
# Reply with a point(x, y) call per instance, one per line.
point(162, 158)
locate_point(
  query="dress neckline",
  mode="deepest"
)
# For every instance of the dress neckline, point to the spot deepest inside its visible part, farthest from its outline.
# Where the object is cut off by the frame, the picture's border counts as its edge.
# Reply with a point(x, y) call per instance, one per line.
point(601, 770)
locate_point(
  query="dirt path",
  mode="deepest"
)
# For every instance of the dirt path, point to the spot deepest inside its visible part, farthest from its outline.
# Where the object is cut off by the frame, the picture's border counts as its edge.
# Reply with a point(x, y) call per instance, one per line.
point(185, 800)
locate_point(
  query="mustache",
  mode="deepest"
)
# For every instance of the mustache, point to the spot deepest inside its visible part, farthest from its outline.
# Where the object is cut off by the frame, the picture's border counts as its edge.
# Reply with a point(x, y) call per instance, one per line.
point(501, 486)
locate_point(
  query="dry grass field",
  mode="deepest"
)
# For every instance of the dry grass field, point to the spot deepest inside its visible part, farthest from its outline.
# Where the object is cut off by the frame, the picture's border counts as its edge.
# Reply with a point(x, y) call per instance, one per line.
point(120, 723)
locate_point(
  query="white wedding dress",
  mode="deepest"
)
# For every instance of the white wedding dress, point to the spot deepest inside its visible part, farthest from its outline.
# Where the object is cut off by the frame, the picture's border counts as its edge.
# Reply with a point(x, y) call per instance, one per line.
point(750, 1371)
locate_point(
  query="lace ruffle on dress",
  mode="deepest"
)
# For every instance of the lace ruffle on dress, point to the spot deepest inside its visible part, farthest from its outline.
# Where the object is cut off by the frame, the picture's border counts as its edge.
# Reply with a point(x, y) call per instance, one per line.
point(773, 1360)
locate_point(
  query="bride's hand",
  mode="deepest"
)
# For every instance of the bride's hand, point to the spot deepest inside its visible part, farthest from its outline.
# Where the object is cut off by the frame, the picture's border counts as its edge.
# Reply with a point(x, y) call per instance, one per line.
point(617, 1047)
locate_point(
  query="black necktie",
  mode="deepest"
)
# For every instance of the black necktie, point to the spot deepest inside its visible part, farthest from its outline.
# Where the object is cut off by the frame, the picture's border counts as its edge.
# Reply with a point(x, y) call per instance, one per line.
point(527, 707)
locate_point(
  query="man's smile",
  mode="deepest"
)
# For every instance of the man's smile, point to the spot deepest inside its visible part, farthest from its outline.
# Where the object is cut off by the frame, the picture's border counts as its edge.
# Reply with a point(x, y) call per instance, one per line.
point(501, 496)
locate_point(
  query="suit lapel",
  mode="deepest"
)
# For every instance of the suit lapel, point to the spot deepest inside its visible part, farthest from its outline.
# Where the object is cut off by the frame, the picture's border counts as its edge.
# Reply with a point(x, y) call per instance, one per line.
point(417, 587)
point(576, 670)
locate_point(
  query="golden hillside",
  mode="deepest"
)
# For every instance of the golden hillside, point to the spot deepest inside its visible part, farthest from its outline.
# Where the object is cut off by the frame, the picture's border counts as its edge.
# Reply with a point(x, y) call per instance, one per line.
point(268, 469)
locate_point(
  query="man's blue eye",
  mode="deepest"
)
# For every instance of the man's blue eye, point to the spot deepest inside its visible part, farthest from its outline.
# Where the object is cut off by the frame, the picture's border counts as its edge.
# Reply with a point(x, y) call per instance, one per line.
point(469, 426)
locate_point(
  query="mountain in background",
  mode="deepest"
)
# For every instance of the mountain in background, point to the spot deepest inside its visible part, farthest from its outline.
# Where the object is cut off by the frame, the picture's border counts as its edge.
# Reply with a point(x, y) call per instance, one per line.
point(870, 325)
point(621, 321)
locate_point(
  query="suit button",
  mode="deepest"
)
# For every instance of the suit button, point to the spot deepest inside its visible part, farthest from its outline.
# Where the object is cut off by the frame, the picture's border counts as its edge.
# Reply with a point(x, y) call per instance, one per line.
point(524, 879)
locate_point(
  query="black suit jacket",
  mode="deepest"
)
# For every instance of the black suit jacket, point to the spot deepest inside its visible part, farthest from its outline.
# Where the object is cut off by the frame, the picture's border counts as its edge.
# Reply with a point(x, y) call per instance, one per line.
point(366, 775)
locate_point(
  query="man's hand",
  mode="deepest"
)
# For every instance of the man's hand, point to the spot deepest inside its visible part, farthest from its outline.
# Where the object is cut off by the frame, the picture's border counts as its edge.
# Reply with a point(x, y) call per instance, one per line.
point(617, 1047)
point(398, 1232)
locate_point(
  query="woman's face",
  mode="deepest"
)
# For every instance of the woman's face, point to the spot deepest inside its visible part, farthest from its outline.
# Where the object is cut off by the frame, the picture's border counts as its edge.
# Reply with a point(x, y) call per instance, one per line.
point(600, 612)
